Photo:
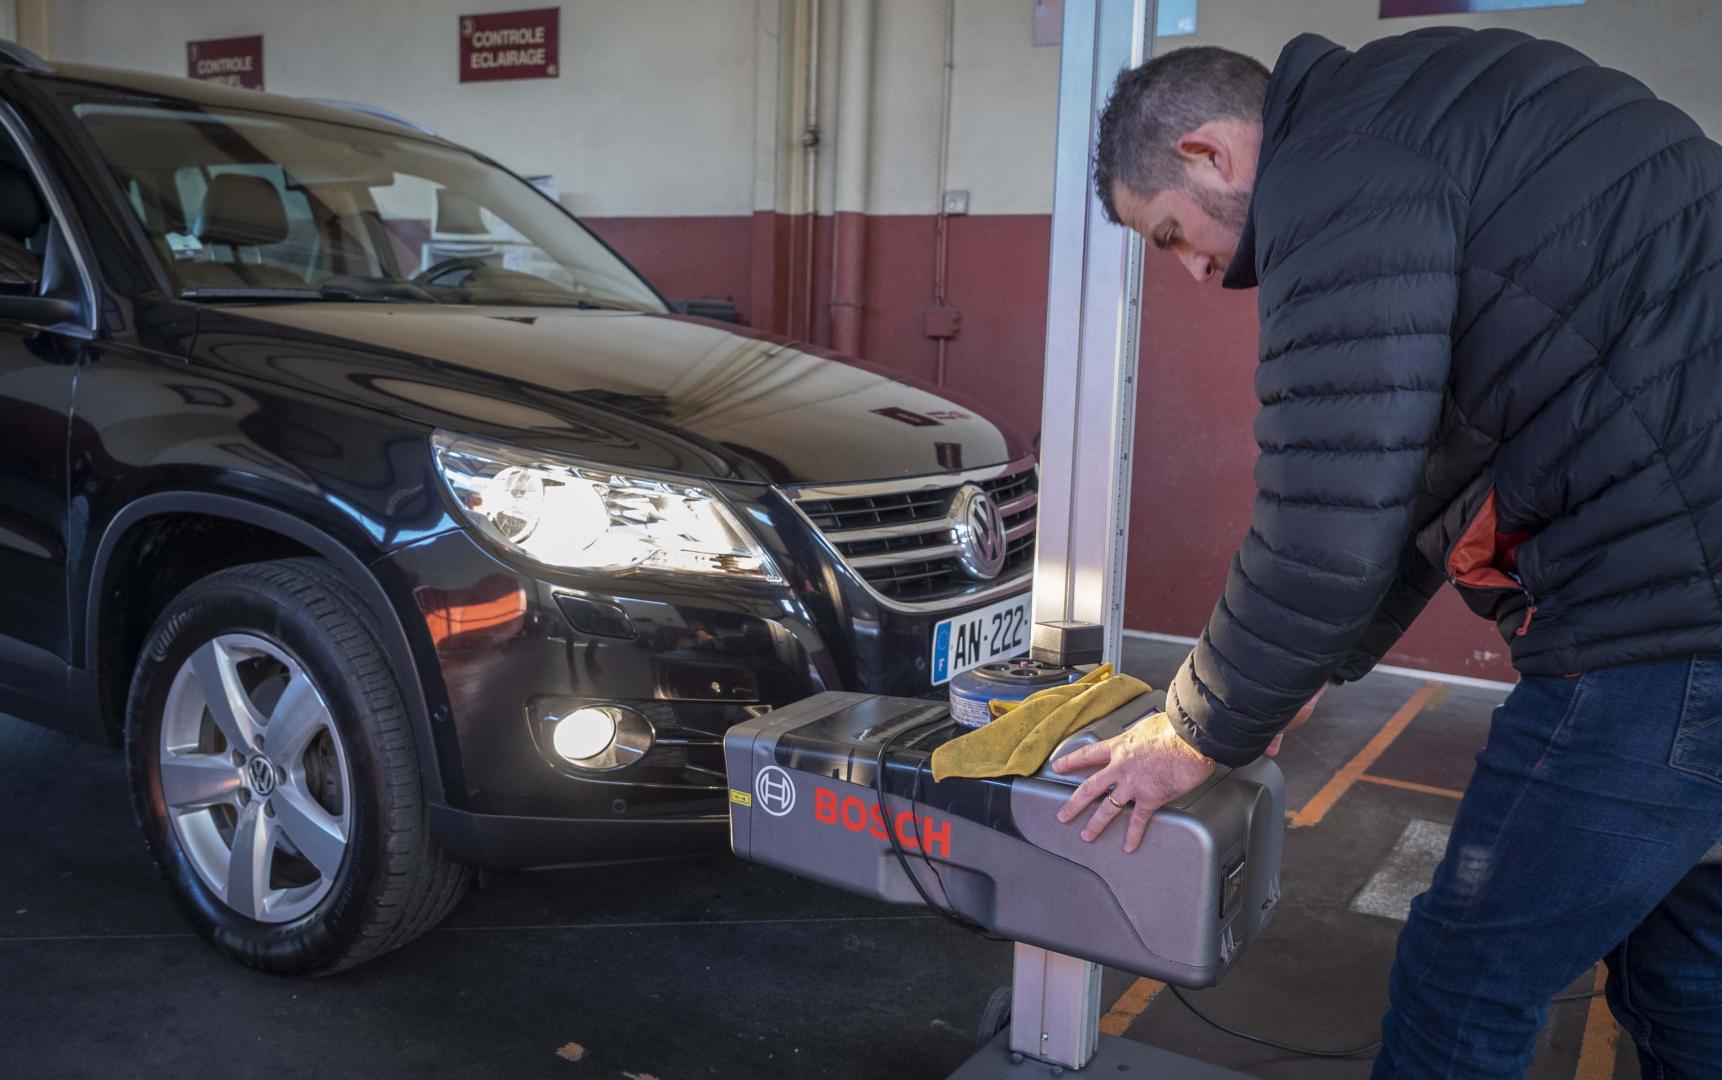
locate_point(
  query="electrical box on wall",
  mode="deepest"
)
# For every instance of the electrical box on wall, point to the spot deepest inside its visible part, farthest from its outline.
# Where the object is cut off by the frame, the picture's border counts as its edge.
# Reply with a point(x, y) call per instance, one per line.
point(942, 321)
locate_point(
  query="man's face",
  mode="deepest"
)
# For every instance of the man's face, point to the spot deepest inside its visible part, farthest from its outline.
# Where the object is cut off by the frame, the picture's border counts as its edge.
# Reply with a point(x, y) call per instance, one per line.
point(1202, 232)
point(1202, 220)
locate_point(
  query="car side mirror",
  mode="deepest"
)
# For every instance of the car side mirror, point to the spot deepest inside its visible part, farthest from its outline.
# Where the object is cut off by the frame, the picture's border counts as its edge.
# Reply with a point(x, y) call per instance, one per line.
point(37, 310)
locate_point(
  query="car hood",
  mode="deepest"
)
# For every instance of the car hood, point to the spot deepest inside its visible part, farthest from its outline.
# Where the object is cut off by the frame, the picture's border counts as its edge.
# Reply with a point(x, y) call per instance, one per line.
point(669, 393)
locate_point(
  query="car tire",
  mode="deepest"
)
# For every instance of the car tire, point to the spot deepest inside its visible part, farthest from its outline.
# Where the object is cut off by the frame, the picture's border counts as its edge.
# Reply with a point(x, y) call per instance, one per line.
point(284, 806)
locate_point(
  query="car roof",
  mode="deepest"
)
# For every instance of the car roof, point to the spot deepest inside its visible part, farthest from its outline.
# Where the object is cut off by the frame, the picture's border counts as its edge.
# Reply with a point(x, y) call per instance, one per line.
point(169, 88)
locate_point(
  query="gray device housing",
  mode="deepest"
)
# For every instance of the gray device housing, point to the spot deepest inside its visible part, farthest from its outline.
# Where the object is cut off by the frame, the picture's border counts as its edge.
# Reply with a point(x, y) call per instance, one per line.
point(804, 797)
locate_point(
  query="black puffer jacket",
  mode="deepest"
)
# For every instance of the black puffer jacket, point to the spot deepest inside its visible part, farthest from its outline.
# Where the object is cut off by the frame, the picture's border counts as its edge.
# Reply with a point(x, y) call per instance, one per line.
point(1491, 352)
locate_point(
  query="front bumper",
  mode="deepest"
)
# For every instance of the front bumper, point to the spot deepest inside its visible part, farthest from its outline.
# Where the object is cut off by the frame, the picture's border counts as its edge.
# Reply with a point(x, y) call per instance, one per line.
point(693, 658)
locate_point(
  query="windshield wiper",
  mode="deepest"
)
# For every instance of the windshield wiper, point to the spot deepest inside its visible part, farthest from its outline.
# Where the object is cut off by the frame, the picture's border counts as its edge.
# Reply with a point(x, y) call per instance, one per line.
point(338, 293)
point(557, 301)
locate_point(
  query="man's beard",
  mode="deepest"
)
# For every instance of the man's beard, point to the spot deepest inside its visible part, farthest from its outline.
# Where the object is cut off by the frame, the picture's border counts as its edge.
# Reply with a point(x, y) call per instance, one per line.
point(1231, 208)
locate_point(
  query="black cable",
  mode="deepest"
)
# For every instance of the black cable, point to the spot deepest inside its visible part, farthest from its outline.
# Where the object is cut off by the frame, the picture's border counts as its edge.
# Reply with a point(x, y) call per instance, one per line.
point(948, 910)
point(1302, 1050)
point(1305, 1051)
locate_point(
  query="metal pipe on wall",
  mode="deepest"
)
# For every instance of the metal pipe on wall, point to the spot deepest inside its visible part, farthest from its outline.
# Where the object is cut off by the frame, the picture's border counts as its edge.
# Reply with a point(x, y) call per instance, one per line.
point(854, 150)
point(942, 227)
point(809, 208)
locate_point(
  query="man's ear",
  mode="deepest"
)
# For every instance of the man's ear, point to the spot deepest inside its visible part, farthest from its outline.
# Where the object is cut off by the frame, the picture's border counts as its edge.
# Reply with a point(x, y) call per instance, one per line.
point(1210, 149)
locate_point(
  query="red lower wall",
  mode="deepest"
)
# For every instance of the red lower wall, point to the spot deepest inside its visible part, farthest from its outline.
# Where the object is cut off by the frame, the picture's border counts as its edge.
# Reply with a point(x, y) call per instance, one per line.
point(1192, 486)
point(686, 257)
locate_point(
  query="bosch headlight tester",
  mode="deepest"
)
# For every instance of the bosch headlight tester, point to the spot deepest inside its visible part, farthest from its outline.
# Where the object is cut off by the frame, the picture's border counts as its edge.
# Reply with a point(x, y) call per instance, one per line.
point(838, 788)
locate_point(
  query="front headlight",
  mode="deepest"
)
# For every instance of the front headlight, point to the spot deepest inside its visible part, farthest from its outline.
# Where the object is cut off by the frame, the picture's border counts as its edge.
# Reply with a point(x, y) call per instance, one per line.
point(587, 517)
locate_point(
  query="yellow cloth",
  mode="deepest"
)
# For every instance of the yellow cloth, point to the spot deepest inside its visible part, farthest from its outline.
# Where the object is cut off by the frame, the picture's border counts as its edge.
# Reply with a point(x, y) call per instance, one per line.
point(1023, 734)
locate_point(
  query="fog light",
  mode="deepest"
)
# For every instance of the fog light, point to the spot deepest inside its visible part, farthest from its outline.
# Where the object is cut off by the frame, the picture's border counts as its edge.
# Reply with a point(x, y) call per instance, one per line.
point(585, 733)
point(589, 737)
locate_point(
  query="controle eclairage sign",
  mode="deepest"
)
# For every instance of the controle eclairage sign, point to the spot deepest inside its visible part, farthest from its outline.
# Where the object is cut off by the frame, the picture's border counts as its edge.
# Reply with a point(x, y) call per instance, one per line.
point(236, 61)
point(510, 45)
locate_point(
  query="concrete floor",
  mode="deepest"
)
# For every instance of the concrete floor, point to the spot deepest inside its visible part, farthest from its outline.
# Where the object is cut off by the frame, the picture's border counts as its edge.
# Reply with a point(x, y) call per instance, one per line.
point(711, 967)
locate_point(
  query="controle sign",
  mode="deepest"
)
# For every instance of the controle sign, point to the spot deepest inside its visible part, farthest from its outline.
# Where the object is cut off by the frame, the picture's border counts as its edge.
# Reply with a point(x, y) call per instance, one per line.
point(509, 45)
point(236, 61)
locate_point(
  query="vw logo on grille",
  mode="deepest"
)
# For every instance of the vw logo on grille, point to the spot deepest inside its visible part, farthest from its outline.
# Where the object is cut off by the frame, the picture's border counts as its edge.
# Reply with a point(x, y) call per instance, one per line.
point(261, 774)
point(980, 533)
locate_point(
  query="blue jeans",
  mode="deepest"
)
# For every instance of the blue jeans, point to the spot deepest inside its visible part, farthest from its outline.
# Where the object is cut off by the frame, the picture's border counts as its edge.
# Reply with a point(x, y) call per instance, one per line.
point(1584, 835)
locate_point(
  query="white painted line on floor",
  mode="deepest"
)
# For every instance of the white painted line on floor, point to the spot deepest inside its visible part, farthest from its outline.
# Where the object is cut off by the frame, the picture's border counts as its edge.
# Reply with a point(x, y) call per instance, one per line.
point(1405, 872)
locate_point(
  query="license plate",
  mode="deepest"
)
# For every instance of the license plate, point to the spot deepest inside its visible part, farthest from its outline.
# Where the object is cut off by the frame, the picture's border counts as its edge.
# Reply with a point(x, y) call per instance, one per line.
point(970, 640)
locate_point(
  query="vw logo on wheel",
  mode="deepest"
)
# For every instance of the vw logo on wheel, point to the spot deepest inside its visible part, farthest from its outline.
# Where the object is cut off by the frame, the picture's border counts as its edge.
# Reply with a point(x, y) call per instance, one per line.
point(261, 773)
point(774, 791)
point(980, 533)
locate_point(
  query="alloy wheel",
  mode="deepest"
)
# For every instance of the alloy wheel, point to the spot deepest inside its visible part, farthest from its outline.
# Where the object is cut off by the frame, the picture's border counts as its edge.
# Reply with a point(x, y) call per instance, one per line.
point(255, 777)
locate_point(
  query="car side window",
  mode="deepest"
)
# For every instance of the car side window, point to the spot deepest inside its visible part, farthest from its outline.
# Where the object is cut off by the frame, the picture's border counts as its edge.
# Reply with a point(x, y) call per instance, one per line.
point(24, 225)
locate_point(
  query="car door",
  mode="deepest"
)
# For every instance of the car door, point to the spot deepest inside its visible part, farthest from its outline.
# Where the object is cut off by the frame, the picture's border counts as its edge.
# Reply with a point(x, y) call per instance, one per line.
point(44, 308)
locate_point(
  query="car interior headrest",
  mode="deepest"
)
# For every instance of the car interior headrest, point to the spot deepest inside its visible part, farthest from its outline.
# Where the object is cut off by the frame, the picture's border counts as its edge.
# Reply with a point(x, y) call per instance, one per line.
point(242, 210)
point(21, 210)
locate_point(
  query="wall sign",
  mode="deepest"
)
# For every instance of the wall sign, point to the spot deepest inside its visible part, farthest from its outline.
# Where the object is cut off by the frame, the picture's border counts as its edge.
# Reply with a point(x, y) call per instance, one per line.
point(1172, 18)
point(510, 45)
point(1175, 18)
point(1394, 8)
point(236, 61)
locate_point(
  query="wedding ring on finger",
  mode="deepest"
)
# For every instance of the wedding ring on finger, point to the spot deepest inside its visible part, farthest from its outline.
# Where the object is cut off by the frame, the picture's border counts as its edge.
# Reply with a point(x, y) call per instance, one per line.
point(1113, 801)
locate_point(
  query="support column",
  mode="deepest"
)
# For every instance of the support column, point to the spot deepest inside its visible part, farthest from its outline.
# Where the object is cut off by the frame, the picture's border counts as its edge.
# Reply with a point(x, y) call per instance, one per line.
point(1093, 315)
point(1088, 433)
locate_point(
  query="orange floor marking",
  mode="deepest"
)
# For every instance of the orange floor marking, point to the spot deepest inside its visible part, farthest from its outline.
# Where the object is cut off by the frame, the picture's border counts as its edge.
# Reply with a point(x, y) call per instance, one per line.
point(1388, 781)
point(1318, 806)
point(1130, 1005)
point(1596, 1053)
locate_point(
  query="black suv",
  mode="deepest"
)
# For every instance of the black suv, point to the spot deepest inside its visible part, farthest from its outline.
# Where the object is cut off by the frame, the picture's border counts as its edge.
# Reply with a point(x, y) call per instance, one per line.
point(398, 527)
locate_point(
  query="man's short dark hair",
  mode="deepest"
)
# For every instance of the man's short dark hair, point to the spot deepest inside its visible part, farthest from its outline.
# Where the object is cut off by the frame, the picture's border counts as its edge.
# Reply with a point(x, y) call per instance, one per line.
point(1156, 103)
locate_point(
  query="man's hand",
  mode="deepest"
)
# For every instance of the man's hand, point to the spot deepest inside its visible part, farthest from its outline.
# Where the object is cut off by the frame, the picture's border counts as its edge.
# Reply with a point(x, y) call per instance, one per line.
point(1148, 765)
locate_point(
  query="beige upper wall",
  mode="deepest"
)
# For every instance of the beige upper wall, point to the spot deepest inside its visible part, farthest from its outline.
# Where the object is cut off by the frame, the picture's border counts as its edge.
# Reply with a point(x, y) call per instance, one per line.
point(663, 104)
point(657, 106)
point(653, 113)
point(1004, 110)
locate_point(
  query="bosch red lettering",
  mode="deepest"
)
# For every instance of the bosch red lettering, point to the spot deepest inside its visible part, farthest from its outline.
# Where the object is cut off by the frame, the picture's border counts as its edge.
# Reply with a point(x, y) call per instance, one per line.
point(907, 837)
point(825, 805)
point(858, 820)
point(858, 815)
point(936, 837)
point(877, 829)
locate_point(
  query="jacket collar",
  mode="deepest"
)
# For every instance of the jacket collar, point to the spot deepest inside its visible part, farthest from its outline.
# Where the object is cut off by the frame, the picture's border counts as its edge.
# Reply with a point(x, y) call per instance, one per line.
point(1284, 86)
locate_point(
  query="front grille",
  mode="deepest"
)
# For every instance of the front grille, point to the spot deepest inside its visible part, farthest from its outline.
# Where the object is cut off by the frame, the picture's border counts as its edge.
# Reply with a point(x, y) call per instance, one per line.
point(899, 538)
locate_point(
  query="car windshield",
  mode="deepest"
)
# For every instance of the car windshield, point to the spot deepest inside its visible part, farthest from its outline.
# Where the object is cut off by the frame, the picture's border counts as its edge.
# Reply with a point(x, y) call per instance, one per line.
point(254, 205)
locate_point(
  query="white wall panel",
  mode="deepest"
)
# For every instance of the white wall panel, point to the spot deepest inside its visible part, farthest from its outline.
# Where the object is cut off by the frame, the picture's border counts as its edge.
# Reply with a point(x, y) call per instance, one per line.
point(1004, 110)
point(908, 90)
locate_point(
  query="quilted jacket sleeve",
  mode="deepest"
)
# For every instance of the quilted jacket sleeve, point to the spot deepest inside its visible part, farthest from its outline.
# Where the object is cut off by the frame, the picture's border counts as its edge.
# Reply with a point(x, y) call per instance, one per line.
point(1405, 600)
point(1358, 245)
